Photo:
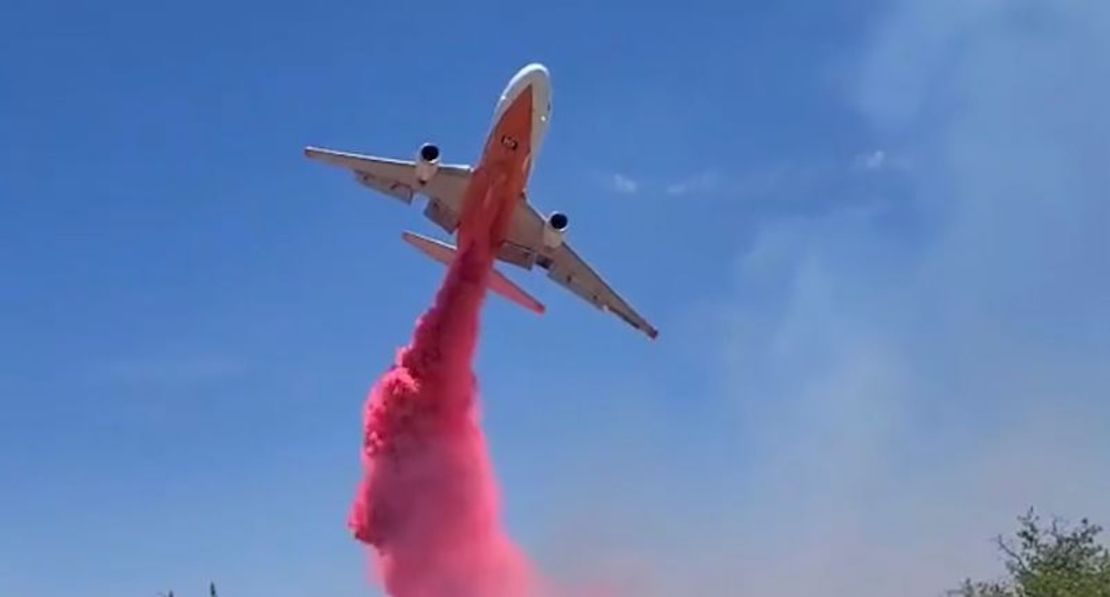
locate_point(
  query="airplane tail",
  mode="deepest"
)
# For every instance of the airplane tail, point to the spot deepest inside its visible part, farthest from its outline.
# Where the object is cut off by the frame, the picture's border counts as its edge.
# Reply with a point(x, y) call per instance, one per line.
point(499, 284)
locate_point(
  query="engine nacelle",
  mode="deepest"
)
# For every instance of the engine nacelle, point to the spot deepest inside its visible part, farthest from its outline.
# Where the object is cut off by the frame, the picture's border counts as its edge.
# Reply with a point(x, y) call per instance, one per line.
point(427, 162)
point(554, 229)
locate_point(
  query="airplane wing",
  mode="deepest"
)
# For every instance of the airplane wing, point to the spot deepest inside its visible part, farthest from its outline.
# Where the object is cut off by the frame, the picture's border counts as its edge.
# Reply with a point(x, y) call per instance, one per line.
point(565, 267)
point(397, 178)
point(571, 271)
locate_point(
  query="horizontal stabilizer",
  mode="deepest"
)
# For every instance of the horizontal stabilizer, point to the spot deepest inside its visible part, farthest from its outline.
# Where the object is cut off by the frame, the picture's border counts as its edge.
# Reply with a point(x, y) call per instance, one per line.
point(499, 284)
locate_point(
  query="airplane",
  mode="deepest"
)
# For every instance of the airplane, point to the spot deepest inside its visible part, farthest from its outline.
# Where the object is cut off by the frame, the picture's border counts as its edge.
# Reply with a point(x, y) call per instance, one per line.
point(488, 203)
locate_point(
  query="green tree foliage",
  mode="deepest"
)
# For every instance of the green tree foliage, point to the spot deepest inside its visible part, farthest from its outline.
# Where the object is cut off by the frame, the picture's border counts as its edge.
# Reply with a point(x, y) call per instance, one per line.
point(1049, 561)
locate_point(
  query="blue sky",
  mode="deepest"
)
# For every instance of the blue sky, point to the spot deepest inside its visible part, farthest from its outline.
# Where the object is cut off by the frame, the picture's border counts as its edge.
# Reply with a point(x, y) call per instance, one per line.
point(871, 234)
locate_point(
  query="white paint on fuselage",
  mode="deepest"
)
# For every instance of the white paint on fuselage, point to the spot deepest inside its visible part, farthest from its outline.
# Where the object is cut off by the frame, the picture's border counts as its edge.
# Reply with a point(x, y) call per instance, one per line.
point(535, 79)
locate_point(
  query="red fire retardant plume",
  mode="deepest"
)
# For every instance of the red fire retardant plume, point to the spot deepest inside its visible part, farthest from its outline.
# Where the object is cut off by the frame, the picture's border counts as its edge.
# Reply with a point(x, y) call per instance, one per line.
point(429, 503)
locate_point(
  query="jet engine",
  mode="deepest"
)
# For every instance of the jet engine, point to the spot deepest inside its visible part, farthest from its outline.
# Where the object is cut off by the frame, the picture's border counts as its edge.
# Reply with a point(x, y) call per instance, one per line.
point(427, 162)
point(554, 229)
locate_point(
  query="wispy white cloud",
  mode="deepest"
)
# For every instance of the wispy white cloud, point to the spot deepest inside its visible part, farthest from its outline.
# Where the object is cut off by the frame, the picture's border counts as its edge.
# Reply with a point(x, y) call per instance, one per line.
point(786, 179)
point(623, 184)
point(872, 160)
point(900, 399)
point(912, 396)
point(762, 181)
point(881, 160)
point(708, 181)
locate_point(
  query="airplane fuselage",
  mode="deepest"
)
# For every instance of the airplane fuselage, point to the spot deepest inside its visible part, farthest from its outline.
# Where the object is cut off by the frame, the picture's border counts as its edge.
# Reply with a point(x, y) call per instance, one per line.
point(501, 175)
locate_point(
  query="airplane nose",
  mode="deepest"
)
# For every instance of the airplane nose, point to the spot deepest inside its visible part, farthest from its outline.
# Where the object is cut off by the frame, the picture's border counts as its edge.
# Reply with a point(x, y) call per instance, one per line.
point(533, 80)
point(537, 68)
